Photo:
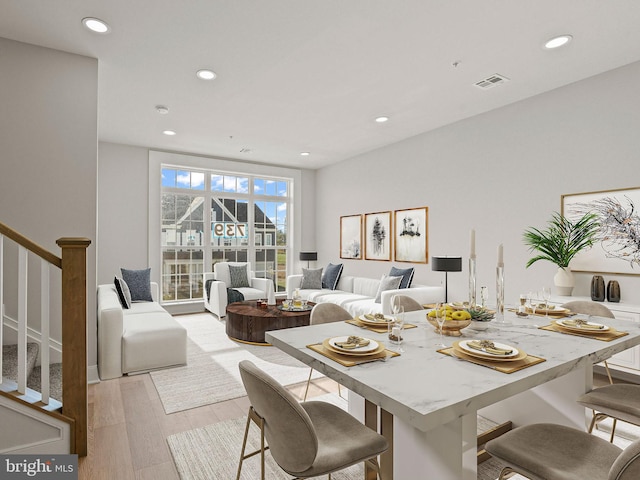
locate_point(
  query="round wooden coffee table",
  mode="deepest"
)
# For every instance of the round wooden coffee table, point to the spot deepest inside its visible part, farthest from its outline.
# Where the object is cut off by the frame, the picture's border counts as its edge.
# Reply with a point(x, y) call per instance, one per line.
point(247, 322)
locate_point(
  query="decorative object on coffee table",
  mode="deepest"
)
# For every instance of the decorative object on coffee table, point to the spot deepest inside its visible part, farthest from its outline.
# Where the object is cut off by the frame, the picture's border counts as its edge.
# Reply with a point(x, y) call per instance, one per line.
point(559, 243)
point(597, 288)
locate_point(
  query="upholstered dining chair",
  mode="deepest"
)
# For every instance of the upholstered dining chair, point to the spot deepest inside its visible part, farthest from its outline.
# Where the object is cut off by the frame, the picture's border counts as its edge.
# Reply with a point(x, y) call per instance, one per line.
point(306, 439)
point(546, 451)
point(325, 313)
point(591, 308)
point(409, 304)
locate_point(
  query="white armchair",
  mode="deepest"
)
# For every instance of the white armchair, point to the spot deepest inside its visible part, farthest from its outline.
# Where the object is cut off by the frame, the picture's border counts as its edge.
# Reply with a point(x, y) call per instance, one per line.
point(215, 298)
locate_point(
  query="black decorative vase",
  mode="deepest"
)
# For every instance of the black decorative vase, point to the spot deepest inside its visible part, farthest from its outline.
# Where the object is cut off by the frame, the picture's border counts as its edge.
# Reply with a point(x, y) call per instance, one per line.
point(613, 291)
point(597, 288)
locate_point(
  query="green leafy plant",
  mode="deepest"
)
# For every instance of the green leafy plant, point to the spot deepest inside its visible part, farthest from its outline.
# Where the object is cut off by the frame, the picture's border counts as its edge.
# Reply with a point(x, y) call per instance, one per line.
point(562, 239)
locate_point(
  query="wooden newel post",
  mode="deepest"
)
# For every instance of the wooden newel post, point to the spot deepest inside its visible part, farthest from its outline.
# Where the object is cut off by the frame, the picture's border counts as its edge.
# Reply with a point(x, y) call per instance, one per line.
point(74, 337)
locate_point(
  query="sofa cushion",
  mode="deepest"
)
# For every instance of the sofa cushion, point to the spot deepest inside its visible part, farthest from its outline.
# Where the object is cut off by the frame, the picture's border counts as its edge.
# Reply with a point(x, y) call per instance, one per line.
point(311, 278)
point(139, 283)
point(387, 283)
point(239, 276)
point(405, 273)
point(331, 276)
point(124, 295)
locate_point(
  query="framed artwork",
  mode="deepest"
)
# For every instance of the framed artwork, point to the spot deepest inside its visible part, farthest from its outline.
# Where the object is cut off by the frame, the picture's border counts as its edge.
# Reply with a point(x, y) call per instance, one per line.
point(617, 249)
point(411, 235)
point(351, 237)
point(377, 240)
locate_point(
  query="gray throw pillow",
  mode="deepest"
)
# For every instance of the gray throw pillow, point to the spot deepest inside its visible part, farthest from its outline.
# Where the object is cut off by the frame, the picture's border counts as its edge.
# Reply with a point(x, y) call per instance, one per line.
point(139, 283)
point(387, 283)
point(239, 277)
point(331, 276)
point(311, 278)
point(124, 295)
point(405, 273)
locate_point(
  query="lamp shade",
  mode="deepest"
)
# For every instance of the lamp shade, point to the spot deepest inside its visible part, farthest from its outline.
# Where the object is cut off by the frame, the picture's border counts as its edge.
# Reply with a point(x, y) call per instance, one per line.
point(446, 264)
point(309, 256)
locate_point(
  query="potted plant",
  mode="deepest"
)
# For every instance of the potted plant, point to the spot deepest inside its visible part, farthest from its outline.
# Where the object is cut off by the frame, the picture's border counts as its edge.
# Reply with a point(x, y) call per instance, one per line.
point(560, 242)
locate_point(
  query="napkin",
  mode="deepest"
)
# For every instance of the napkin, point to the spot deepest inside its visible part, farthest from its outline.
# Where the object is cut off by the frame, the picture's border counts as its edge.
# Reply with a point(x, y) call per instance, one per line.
point(488, 347)
point(374, 318)
point(581, 324)
point(353, 342)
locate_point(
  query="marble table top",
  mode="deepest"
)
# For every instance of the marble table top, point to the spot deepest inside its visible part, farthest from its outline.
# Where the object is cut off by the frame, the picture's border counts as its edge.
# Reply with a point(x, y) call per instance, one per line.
point(426, 388)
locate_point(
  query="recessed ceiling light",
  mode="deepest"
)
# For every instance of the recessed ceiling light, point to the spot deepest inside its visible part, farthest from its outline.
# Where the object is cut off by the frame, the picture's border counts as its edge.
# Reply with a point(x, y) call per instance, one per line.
point(169, 132)
point(558, 41)
point(382, 119)
point(304, 154)
point(162, 110)
point(205, 74)
point(96, 25)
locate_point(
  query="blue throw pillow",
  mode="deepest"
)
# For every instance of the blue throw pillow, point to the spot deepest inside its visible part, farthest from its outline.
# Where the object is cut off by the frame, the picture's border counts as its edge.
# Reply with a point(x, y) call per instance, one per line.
point(139, 283)
point(405, 273)
point(331, 276)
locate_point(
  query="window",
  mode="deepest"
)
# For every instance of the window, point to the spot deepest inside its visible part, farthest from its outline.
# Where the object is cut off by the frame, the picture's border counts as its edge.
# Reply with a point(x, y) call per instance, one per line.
point(209, 217)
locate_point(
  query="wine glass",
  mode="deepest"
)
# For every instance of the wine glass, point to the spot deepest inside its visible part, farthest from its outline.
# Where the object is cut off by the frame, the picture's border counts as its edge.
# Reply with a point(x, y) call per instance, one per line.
point(441, 316)
point(395, 304)
point(546, 295)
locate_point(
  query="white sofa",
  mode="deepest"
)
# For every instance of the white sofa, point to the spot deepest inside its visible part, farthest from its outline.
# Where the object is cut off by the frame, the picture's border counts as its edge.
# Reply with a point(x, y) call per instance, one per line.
point(142, 338)
point(215, 299)
point(357, 294)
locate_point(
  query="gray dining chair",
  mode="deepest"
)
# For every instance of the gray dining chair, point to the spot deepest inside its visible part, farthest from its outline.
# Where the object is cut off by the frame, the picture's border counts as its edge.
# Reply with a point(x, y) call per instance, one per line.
point(326, 313)
point(591, 308)
point(305, 439)
point(409, 304)
point(546, 451)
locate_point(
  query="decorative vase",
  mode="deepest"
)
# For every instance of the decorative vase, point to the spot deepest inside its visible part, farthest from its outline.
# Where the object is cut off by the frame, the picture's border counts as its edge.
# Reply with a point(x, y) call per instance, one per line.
point(613, 291)
point(597, 288)
point(564, 281)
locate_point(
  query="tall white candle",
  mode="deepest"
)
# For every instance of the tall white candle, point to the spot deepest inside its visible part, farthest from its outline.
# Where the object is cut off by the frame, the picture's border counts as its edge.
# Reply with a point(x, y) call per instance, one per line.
point(472, 248)
point(500, 256)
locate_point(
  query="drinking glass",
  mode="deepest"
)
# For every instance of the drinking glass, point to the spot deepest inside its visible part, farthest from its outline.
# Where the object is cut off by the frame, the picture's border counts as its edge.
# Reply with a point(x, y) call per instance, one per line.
point(531, 301)
point(546, 295)
point(441, 317)
point(395, 304)
point(396, 326)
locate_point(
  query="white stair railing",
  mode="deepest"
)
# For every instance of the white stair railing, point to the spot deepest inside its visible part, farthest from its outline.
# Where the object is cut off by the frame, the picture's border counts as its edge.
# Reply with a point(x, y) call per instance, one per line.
point(22, 320)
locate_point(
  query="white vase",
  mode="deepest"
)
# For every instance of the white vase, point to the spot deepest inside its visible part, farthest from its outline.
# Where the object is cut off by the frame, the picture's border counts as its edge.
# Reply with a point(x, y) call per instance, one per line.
point(564, 281)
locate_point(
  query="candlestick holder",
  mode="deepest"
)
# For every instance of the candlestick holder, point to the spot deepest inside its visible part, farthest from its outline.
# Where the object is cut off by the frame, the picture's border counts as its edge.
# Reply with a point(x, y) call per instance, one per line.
point(472, 282)
point(500, 295)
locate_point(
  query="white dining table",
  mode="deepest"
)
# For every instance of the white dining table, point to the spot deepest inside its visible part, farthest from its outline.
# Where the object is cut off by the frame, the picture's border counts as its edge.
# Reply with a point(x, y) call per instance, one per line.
point(426, 403)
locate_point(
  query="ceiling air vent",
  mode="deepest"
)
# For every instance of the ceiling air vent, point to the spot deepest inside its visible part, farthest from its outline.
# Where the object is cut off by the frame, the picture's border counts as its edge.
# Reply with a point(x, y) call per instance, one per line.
point(492, 81)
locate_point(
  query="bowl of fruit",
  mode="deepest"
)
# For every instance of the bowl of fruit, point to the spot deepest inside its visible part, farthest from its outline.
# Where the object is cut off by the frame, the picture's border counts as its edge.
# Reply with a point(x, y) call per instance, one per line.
point(455, 320)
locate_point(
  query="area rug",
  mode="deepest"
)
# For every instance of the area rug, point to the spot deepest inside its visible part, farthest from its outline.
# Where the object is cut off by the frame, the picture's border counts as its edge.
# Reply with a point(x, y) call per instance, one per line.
point(211, 374)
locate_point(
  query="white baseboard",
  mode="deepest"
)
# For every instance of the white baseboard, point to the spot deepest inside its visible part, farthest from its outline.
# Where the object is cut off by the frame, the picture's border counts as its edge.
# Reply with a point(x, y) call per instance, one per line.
point(92, 374)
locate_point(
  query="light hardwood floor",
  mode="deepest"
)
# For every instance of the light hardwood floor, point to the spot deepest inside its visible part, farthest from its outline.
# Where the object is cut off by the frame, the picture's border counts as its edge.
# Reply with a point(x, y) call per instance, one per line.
point(128, 427)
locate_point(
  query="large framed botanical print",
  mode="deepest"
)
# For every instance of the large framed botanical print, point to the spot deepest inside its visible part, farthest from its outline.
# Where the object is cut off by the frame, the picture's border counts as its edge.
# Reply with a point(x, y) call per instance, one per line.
point(617, 249)
point(351, 237)
point(411, 235)
point(378, 236)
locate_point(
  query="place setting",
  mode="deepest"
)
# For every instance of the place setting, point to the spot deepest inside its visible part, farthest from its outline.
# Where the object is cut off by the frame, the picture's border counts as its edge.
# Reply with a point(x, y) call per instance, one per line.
point(375, 322)
point(584, 328)
point(351, 350)
point(488, 353)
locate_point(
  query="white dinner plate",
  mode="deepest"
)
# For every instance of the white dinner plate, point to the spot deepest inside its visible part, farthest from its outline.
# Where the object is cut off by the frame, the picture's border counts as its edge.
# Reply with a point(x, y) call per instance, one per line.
point(576, 328)
point(373, 345)
point(379, 321)
point(463, 345)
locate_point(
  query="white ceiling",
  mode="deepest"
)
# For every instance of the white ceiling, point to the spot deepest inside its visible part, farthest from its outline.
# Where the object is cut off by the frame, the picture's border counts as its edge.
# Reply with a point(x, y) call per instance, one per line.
point(303, 75)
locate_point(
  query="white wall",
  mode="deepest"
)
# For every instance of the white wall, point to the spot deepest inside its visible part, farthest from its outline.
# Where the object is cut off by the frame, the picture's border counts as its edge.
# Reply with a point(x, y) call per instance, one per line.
point(499, 172)
point(48, 166)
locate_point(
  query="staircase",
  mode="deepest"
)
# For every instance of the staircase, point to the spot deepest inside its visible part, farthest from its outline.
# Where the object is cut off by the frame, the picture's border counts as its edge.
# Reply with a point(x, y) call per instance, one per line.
point(38, 414)
point(34, 373)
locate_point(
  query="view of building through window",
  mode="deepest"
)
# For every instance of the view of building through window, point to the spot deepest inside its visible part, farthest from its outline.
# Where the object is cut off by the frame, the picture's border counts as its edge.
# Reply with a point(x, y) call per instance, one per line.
point(247, 220)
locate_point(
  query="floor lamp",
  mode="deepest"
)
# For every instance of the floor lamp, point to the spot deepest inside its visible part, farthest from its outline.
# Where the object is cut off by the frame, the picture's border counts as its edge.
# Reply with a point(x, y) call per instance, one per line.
point(309, 257)
point(446, 265)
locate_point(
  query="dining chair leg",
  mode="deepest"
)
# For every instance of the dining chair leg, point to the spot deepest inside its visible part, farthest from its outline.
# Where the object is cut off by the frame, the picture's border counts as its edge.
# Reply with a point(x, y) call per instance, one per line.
point(613, 429)
point(259, 421)
point(606, 367)
point(244, 444)
point(306, 391)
